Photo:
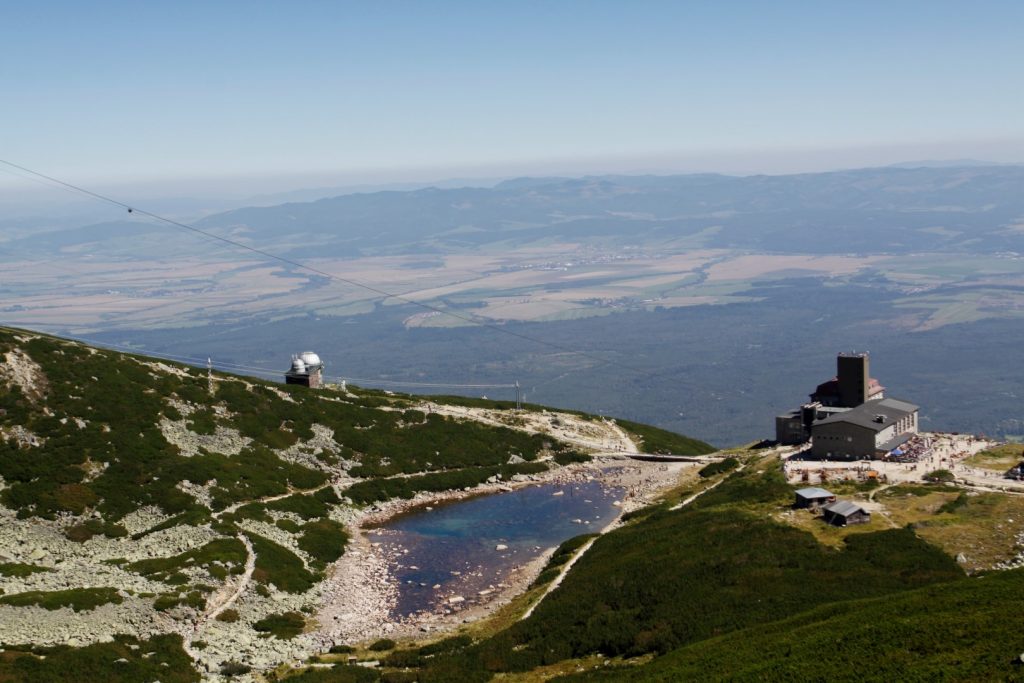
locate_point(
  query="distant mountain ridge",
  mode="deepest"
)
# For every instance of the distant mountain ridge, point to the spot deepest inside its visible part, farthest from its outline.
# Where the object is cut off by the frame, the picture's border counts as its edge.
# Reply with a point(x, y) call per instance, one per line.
point(895, 210)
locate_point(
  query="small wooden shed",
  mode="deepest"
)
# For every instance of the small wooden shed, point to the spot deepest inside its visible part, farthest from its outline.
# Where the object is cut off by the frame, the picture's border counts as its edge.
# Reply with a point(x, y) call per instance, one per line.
point(813, 496)
point(844, 512)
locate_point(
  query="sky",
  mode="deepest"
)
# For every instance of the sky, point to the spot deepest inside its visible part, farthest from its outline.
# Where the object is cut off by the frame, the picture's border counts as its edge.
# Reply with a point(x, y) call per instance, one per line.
point(299, 93)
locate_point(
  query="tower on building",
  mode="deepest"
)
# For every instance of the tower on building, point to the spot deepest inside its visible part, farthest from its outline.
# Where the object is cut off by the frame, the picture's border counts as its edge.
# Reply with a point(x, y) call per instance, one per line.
point(853, 378)
point(852, 385)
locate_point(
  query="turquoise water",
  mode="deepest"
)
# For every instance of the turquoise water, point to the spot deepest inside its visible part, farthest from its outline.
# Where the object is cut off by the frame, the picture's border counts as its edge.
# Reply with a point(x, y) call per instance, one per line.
point(451, 549)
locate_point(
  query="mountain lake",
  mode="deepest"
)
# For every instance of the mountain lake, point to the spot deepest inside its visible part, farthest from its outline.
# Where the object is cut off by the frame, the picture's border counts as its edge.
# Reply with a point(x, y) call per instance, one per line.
point(465, 549)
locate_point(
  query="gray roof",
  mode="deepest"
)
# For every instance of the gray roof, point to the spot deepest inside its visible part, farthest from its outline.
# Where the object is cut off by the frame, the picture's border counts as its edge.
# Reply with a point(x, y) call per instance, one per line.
point(814, 492)
point(897, 440)
point(843, 508)
point(863, 415)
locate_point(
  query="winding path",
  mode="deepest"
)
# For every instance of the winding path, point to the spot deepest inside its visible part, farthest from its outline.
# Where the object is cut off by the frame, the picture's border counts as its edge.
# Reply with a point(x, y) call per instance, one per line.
point(219, 606)
point(250, 566)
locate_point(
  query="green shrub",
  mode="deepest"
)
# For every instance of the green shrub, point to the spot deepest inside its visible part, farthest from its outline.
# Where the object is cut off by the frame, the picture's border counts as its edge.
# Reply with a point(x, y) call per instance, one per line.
point(569, 457)
point(277, 565)
point(120, 661)
point(20, 570)
point(232, 669)
point(288, 525)
point(78, 599)
point(382, 645)
point(166, 602)
point(193, 517)
point(562, 554)
point(940, 476)
point(80, 533)
point(645, 511)
point(327, 495)
point(195, 600)
point(339, 673)
point(724, 465)
point(953, 505)
point(324, 540)
point(228, 616)
point(403, 659)
point(229, 551)
point(546, 576)
point(284, 626)
point(445, 646)
point(202, 421)
point(307, 507)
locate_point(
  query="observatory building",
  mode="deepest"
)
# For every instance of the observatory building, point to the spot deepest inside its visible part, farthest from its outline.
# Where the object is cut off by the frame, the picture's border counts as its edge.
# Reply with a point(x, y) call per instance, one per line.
point(307, 369)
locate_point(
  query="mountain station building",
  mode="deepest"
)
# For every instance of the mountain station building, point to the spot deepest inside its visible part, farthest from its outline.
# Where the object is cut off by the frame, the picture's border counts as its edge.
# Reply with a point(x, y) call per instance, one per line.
point(871, 429)
point(849, 417)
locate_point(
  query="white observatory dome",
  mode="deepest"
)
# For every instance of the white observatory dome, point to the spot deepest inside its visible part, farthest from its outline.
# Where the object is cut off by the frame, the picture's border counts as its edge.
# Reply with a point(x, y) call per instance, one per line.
point(311, 360)
point(298, 366)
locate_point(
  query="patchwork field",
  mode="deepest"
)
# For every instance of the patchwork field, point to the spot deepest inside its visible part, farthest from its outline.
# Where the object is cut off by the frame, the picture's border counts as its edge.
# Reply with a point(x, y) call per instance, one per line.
point(80, 292)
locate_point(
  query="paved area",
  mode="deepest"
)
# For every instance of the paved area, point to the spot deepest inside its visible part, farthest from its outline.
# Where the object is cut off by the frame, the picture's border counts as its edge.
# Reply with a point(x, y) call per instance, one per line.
point(948, 451)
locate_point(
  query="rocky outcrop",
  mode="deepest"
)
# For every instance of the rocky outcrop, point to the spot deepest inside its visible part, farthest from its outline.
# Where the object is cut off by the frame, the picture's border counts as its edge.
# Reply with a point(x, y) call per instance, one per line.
point(134, 616)
point(18, 368)
point(224, 440)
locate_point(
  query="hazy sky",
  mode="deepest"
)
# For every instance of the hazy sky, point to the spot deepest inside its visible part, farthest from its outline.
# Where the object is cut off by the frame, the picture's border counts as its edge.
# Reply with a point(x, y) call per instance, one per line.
point(102, 91)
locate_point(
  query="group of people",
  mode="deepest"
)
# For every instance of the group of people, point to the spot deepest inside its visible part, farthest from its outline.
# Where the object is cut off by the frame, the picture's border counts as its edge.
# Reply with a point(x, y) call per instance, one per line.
point(913, 450)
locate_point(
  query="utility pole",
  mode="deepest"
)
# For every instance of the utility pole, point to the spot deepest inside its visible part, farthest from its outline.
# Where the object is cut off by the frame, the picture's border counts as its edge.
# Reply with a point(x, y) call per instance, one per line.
point(209, 375)
point(519, 397)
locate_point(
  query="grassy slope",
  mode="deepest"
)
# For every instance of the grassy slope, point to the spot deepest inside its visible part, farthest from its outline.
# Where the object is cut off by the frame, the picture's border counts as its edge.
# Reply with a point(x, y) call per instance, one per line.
point(954, 631)
point(655, 440)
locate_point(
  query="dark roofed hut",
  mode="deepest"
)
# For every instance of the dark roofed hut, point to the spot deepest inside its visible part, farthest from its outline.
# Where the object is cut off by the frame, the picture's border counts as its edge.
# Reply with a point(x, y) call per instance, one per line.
point(813, 497)
point(843, 512)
